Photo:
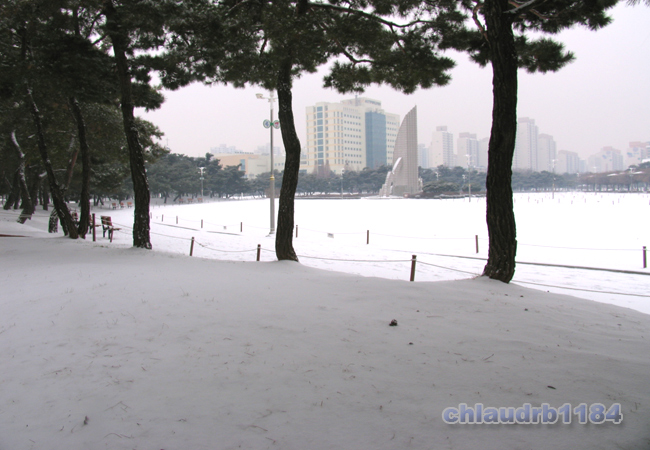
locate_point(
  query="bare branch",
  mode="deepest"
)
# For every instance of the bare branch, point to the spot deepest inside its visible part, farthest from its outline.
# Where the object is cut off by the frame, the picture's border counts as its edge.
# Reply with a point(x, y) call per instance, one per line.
point(478, 22)
point(523, 7)
point(368, 15)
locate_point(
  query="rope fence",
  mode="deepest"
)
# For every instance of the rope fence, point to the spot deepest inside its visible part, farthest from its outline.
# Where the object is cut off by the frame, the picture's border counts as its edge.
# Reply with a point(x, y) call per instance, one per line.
point(126, 229)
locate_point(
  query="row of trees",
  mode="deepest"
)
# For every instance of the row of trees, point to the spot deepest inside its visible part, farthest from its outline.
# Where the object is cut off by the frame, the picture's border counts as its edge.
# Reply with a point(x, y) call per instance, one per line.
point(177, 175)
point(270, 44)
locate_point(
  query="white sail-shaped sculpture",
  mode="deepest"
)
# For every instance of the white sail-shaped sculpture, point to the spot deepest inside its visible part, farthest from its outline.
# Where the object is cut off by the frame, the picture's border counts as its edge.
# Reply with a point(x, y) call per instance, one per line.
point(403, 178)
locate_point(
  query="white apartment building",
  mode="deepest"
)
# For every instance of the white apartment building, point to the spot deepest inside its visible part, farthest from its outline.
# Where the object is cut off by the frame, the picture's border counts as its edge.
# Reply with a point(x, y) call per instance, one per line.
point(441, 150)
point(567, 162)
point(636, 153)
point(349, 135)
point(483, 146)
point(546, 153)
point(608, 159)
point(467, 149)
point(525, 157)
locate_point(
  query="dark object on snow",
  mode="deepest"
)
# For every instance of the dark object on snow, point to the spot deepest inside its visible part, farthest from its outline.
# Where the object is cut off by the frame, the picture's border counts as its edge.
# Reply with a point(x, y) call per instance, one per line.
point(393, 323)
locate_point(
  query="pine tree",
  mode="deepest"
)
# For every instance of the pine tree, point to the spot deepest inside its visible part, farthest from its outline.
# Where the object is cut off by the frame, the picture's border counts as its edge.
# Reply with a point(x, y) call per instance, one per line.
point(494, 32)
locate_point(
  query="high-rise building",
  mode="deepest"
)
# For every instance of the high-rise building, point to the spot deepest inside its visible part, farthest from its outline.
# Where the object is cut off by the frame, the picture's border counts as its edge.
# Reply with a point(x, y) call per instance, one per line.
point(636, 153)
point(423, 156)
point(546, 153)
point(525, 157)
point(483, 146)
point(467, 150)
point(441, 150)
point(349, 135)
point(567, 162)
point(608, 159)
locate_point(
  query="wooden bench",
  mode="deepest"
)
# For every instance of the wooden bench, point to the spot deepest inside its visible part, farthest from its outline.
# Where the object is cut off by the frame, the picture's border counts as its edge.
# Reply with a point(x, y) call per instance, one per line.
point(129, 204)
point(114, 205)
point(107, 225)
point(121, 204)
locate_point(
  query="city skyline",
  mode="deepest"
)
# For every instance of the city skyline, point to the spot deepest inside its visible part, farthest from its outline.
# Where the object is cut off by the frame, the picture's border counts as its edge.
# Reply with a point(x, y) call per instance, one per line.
point(600, 100)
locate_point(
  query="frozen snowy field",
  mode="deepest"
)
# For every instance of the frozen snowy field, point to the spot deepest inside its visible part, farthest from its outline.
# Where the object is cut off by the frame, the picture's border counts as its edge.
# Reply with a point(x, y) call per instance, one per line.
point(104, 346)
point(600, 230)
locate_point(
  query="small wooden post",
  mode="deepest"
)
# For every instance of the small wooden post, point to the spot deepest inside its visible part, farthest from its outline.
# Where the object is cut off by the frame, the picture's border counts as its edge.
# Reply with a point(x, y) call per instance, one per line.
point(241, 227)
point(94, 238)
point(476, 237)
point(162, 217)
point(367, 237)
point(259, 249)
point(192, 246)
point(645, 258)
point(413, 257)
point(296, 231)
point(176, 220)
point(201, 223)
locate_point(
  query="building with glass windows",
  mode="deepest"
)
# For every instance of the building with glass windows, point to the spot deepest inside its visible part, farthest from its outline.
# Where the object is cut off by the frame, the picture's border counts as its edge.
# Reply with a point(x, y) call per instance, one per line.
point(349, 135)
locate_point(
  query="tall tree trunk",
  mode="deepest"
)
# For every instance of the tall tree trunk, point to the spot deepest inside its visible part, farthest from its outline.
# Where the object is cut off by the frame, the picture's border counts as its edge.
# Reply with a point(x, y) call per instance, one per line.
point(27, 203)
point(13, 199)
point(119, 38)
point(57, 195)
point(284, 233)
point(500, 208)
point(85, 168)
point(36, 183)
point(45, 196)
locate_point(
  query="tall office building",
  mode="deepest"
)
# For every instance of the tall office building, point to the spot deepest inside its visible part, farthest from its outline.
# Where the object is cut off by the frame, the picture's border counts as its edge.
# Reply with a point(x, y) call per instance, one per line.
point(525, 157)
point(441, 150)
point(349, 135)
point(546, 153)
point(467, 150)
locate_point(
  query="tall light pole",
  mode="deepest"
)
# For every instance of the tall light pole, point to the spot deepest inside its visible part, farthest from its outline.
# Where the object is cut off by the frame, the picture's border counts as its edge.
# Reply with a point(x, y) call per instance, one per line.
point(469, 175)
point(553, 191)
point(271, 124)
point(201, 169)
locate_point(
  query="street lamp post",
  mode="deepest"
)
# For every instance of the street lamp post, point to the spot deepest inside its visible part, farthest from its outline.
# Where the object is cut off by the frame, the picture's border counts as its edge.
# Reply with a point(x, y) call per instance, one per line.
point(201, 169)
point(271, 124)
point(553, 191)
point(469, 175)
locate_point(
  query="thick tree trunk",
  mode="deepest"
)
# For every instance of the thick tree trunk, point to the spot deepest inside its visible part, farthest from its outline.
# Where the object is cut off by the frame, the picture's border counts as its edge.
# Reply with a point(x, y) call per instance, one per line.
point(85, 168)
point(119, 38)
point(500, 209)
point(284, 233)
point(57, 195)
point(27, 203)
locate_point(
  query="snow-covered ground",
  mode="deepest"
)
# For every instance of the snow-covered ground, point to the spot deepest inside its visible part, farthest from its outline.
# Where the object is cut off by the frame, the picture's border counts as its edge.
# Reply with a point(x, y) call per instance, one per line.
point(107, 346)
point(572, 229)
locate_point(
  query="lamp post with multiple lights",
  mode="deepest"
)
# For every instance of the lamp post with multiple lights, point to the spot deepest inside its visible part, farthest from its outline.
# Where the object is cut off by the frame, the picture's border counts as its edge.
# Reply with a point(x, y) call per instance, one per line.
point(271, 124)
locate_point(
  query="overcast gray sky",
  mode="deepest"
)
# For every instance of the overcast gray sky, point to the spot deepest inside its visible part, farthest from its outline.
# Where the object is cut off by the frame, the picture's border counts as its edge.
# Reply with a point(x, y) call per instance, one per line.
point(601, 99)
